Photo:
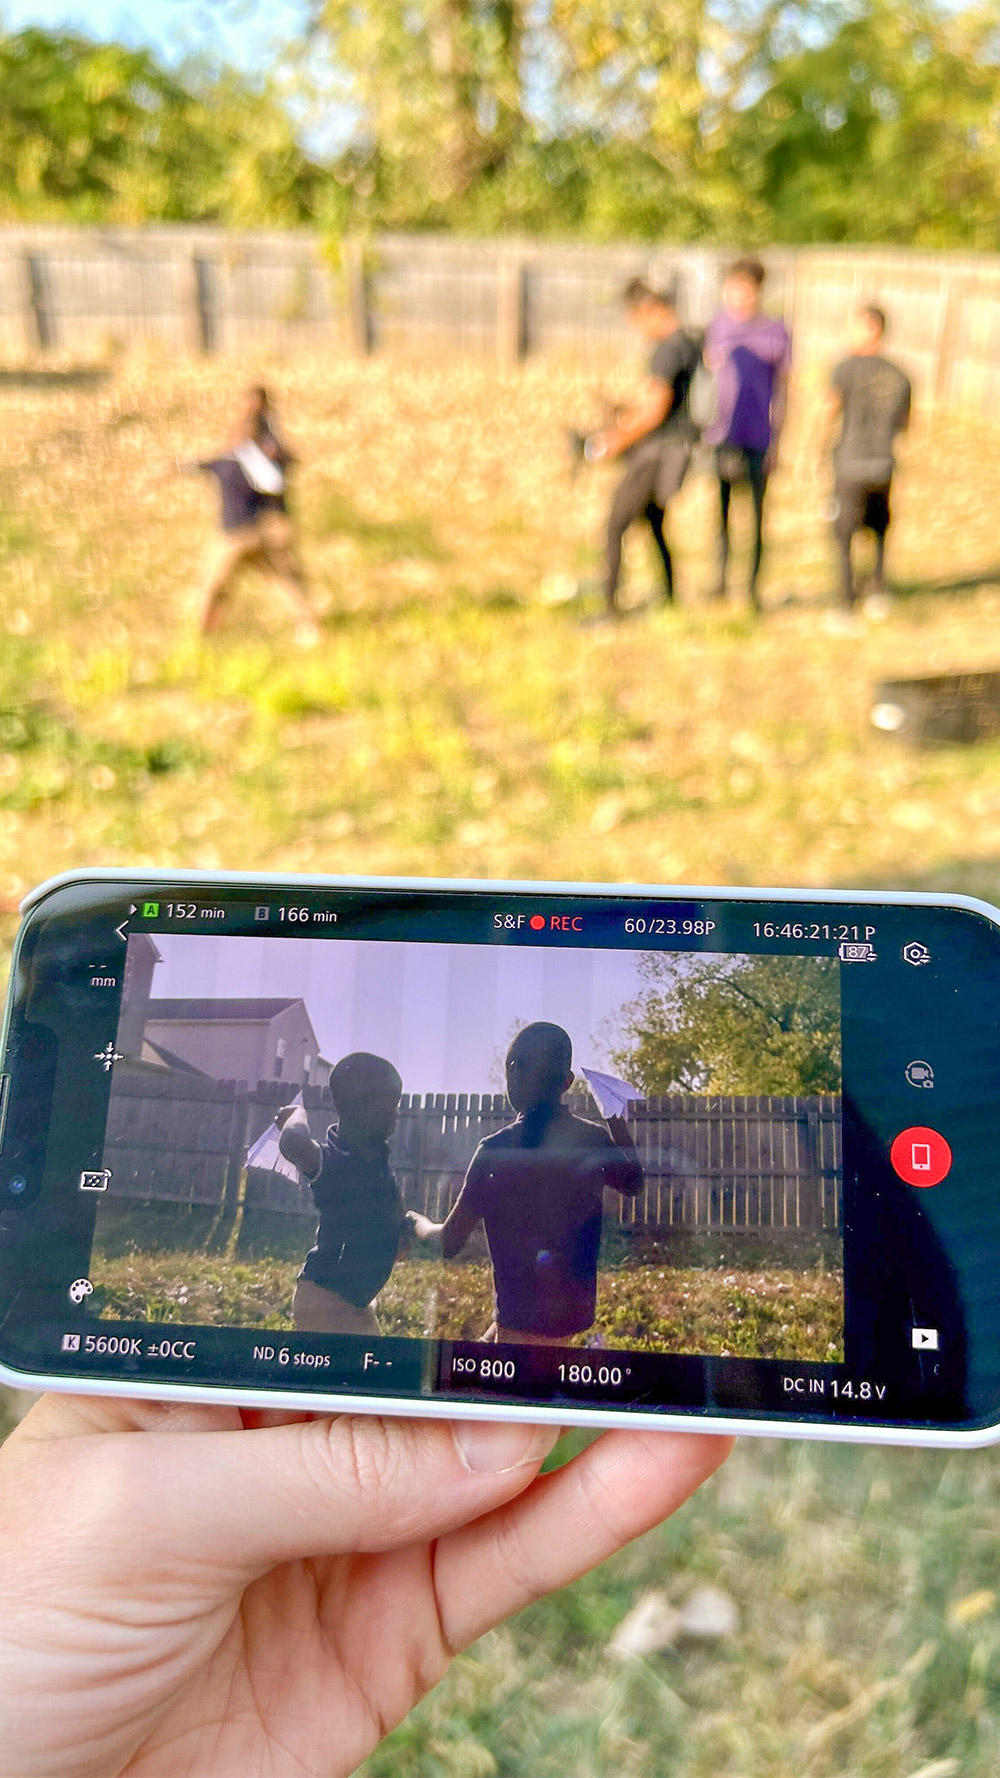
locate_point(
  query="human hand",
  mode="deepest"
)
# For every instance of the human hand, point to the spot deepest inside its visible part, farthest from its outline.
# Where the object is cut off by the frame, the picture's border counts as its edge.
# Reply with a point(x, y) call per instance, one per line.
point(200, 1592)
point(620, 1132)
point(422, 1226)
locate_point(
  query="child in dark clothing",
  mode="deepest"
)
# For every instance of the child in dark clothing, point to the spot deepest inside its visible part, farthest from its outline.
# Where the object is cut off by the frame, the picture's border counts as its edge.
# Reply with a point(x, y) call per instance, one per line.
point(255, 522)
point(361, 1217)
point(538, 1186)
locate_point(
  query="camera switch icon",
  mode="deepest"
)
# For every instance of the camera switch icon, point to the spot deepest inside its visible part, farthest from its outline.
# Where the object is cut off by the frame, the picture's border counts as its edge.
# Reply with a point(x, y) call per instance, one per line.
point(920, 1074)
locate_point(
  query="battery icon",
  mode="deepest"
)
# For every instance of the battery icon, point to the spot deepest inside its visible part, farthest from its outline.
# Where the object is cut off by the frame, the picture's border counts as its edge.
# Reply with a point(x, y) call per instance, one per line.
point(150, 910)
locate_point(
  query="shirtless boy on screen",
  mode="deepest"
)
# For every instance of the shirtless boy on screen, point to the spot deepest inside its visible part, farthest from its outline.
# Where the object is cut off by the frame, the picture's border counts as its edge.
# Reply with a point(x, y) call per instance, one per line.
point(538, 1187)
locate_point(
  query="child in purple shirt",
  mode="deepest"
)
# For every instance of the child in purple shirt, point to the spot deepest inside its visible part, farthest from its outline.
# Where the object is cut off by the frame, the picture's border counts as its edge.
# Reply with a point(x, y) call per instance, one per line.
point(750, 355)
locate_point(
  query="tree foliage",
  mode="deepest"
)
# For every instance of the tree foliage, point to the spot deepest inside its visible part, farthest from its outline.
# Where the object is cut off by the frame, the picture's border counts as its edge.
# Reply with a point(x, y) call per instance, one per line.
point(680, 120)
point(687, 120)
point(889, 130)
point(733, 1025)
point(98, 132)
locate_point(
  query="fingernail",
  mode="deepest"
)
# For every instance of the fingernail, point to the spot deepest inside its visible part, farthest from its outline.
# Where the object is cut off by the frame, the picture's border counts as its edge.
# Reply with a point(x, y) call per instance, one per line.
point(492, 1447)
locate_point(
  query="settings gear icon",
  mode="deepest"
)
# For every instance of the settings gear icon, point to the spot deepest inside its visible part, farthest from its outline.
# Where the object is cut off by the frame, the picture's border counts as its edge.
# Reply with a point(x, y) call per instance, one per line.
point(917, 954)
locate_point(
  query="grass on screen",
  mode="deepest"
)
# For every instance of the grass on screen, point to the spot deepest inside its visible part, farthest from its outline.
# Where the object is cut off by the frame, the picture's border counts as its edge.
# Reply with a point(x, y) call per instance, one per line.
point(758, 1313)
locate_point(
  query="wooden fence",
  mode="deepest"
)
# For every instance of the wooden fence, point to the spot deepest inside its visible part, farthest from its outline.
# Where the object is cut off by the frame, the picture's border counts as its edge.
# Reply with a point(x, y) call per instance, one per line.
point(763, 1166)
point(79, 291)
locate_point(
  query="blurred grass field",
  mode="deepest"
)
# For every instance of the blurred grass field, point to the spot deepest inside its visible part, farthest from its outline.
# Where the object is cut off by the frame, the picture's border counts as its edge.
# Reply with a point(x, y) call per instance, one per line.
point(457, 719)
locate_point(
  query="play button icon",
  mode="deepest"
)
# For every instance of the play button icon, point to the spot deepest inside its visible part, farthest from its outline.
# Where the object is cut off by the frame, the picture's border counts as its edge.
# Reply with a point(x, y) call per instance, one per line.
point(921, 1156)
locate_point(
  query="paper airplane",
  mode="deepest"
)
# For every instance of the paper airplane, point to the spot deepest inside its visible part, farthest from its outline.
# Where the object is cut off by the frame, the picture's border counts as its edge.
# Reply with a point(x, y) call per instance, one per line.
point(266, 1152)
point(613, 1096)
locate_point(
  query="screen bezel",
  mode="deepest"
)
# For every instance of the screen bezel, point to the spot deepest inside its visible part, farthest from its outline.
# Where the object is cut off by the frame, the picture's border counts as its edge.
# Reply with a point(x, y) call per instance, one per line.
point(853, 1430)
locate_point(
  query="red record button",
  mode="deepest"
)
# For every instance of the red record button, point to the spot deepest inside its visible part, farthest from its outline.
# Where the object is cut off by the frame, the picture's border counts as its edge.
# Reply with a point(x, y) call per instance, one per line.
point(921, 1156)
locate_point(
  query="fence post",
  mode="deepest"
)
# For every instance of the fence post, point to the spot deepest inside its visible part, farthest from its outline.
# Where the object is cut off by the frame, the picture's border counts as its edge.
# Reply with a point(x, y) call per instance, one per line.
point(356, 294)
point(237, 1152)
point(810, 1214)
point(29, 302)
point(419, 1188)
point(954, 293)
point(512, 343)
point(192, 300)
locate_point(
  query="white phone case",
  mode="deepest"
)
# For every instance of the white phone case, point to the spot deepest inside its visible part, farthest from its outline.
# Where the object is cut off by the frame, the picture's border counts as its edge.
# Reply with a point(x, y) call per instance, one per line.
point(598, 1419)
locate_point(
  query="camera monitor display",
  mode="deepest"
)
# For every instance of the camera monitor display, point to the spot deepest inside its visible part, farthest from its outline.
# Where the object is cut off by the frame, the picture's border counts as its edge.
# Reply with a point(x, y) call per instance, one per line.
point(455, 1141)
point(725, 1154)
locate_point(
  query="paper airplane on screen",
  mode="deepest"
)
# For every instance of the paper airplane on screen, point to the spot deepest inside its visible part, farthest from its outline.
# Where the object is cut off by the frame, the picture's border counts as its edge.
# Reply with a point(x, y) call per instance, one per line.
point(265, 1152)
point(614, 1096)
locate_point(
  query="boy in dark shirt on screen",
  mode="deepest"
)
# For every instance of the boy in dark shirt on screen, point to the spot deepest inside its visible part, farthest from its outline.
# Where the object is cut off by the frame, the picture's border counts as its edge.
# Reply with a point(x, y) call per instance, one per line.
point(538, 1186)
point(361, 1216)
point(871, 397)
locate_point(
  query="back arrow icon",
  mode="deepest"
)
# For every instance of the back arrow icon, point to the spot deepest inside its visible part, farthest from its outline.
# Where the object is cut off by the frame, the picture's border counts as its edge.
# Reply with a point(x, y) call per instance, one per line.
point(121, 933)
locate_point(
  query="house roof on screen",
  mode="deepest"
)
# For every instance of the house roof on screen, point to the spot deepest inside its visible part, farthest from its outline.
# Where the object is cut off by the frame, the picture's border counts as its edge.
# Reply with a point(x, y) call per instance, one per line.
point(247, 1012)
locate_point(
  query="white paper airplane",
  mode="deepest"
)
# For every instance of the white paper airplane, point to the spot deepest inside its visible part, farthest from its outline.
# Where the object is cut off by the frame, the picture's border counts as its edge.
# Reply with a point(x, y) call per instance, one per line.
point(266, 1153)
point(613, 1096)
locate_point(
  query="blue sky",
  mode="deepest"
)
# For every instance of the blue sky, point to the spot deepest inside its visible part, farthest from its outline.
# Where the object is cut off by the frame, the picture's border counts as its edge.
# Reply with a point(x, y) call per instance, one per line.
point(242, 31)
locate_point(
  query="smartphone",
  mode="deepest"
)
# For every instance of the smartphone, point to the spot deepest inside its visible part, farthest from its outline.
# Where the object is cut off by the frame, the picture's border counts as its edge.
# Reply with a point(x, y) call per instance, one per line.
point(595, 1155)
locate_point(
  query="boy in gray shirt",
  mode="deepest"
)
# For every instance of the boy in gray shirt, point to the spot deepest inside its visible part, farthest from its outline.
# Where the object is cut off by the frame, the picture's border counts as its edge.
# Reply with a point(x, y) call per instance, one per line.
point(871, 396)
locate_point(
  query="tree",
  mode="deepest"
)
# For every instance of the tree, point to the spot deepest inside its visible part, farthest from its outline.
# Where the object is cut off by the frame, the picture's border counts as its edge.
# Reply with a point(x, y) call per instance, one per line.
point(733, 1025)
point(670, 120)
point(99, 132)
point(600, 116)
point(437, 89)
point(884, 128)
point(682, 120)
point(656, 82)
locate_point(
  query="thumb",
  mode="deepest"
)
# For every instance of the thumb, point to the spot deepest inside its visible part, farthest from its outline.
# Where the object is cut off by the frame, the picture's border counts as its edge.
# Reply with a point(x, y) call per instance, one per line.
point(241, 1501)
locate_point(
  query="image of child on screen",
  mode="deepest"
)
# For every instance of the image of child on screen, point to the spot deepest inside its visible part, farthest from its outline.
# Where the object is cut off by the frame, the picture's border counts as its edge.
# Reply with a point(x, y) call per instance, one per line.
point(538, 1187)
point(361, 1215)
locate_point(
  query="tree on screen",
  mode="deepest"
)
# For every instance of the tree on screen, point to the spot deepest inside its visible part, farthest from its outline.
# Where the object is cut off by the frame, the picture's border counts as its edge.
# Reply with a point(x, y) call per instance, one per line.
point(733, 1025)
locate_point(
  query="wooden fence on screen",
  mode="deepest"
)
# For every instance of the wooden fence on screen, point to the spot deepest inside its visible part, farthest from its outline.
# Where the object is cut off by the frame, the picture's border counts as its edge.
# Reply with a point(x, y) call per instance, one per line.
point(764, 1166)
point(78, 292)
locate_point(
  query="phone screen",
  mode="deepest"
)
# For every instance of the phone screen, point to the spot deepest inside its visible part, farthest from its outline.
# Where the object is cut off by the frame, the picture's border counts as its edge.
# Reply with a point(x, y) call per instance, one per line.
point(707, 1155)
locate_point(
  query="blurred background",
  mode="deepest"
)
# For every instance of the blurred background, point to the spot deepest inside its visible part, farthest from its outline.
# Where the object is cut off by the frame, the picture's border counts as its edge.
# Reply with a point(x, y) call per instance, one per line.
point(413, 223)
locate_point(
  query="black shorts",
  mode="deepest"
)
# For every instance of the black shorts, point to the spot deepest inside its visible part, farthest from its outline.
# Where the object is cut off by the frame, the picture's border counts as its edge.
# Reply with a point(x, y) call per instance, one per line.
point(862, 507)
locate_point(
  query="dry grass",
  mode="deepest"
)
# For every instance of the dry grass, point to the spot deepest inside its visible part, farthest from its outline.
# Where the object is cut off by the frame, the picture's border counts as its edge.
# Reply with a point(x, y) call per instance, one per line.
point(452, 721)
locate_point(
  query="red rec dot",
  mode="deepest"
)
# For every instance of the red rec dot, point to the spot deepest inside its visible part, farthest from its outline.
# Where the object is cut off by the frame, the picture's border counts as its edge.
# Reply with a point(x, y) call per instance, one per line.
point(921, 1156)
point(537, 922)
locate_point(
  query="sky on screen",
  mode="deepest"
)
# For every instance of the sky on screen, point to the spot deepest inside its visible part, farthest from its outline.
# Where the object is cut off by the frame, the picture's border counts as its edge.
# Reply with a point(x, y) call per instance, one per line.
point(444, 1014)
